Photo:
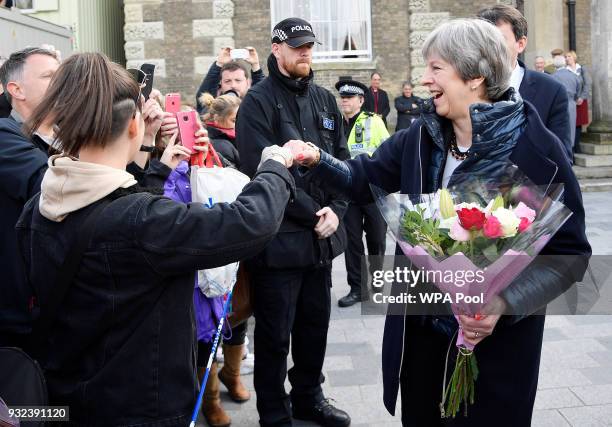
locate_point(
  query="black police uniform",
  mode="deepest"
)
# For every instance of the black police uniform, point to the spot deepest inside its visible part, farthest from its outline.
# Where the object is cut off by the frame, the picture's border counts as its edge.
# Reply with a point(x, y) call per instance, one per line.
point(359, 219)
point(292, 277)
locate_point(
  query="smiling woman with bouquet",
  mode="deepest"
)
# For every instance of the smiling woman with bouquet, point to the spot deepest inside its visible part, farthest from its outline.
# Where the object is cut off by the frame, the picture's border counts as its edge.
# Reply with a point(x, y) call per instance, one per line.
point(474, 124)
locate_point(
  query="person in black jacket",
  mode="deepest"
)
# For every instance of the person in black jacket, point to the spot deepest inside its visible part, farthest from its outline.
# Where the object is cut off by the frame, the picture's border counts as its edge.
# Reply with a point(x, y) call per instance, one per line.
point(227, 74)
point(292, 276)
point(376, 99)
point(23, 162)
point(474, 125)
point(25, 76)
point(408, 107)
point(5, 106)
point(122, 349)
point(547, 95)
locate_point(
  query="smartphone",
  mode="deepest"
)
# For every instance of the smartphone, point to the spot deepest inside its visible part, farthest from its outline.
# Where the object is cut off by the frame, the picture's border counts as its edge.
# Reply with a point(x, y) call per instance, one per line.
point(173, 102)
point(239, 54)
point(188, 125)
point(149, 70)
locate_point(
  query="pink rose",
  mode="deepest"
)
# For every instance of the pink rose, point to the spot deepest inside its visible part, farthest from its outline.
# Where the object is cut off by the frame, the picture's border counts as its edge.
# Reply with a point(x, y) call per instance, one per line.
point(458, 233)
point(524, 225)
point(523, 211)
point(492, 228)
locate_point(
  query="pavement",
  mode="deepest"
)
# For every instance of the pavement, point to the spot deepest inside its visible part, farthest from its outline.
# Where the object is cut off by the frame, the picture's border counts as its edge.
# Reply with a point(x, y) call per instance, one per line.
point(575, 384)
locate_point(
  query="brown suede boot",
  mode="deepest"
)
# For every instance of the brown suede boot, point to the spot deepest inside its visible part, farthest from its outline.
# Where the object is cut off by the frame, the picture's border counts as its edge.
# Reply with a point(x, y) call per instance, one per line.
point(211, 405)
point(230, 373)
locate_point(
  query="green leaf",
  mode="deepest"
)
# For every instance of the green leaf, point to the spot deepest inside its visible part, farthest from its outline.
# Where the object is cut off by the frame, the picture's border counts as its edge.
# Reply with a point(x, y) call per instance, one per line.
point(474, 366)
point(490, 252)
point(481, 242)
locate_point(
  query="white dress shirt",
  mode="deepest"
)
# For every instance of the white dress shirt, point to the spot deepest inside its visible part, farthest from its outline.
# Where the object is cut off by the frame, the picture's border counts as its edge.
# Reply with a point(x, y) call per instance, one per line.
point(517, 76)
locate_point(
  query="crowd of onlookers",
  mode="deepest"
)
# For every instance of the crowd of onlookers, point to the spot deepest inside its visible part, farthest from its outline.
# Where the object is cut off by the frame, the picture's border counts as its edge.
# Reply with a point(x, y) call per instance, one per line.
point(577, 81)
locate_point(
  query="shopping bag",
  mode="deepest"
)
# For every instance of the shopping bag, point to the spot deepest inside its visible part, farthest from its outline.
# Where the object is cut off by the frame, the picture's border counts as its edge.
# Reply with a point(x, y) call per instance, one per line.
point(211, 183)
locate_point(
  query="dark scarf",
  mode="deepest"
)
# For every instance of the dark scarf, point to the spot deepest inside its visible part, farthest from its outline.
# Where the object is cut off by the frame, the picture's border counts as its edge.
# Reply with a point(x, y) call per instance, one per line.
point(297, 86)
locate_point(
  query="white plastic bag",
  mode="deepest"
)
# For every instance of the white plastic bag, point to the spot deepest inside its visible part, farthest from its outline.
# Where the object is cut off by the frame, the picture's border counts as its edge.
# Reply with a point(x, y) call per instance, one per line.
point(210, 185)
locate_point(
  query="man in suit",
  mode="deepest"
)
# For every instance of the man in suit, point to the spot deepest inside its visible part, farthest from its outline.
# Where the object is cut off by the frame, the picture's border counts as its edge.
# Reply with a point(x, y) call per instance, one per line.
point(548, 96)
point(376, 99)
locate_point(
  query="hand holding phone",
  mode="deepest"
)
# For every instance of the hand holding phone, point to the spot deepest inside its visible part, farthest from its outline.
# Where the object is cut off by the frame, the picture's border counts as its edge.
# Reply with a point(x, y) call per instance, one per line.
point(188, 125)
point(149, 70)
point(239, 54)
point(173, 102)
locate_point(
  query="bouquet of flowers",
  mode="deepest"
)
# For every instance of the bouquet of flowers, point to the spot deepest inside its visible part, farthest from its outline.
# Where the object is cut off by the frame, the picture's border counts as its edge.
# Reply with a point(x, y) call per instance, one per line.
point(489, 231)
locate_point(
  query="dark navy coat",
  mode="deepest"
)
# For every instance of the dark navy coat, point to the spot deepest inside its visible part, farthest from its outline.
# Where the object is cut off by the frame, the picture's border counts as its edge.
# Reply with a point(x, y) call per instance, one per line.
point(403, 163)
point(549, 97)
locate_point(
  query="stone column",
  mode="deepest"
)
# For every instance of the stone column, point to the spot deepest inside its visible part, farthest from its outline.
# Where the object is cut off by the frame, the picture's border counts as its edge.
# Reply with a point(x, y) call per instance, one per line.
point(545, 18)
point(422, 22)
point(601, 70)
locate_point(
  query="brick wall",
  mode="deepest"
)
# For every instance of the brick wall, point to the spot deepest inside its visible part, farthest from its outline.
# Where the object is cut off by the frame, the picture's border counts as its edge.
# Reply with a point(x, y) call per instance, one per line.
point(390, 49)
point(464, 8)
point(183, 37)
point(252, 27)
point(179, 37)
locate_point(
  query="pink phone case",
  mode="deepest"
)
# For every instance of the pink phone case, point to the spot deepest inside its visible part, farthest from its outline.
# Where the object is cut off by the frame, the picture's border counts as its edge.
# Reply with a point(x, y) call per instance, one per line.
point(173, 102)
point(188, 125)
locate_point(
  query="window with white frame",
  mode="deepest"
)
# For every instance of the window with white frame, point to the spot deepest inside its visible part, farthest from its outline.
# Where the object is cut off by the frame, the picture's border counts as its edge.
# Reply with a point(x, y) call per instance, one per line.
point(342, 26)
point(33, 6)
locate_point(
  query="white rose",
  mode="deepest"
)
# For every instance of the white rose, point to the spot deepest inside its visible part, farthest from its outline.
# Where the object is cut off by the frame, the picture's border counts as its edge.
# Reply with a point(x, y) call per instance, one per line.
point(508, 220)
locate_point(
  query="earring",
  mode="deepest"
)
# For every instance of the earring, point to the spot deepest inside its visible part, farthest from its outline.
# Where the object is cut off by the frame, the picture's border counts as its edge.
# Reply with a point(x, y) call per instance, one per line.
point(473, 87)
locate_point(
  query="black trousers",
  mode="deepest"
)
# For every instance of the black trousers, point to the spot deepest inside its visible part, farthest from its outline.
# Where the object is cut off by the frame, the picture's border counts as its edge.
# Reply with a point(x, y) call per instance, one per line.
point(360, 218)
point(238, 334)
point(577, 139)
point(508, 361)
point(290, 305)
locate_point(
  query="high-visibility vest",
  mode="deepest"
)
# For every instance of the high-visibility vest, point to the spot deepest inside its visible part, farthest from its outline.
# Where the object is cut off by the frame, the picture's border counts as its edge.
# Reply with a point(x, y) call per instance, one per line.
point(369, 131)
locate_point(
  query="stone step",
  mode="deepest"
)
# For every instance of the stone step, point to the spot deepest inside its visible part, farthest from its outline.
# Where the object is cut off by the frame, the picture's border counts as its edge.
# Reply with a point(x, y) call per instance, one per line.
point(597, 138)
point(588, 160)
point(592, 185)
point(593, 173)
point(596, 149)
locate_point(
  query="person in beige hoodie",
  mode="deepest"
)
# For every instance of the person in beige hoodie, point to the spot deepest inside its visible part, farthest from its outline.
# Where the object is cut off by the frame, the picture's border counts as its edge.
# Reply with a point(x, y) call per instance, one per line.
point(122, 348)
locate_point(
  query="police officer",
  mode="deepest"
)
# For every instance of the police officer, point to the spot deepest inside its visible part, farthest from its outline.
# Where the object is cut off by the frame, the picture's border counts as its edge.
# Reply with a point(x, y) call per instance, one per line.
point(291, 278)
point(365, 131)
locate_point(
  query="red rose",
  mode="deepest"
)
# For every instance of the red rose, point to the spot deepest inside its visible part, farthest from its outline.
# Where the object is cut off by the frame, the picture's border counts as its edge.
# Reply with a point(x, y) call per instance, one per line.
point(471, 219)
point(524, 225)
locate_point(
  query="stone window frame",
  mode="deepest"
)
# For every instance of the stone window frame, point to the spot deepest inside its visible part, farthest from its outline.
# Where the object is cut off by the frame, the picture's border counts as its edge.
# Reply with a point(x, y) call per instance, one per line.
point(327, 57)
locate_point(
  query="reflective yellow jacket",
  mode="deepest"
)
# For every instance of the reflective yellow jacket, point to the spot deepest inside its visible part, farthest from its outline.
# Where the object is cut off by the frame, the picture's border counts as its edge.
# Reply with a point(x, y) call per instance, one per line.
point(369, 131)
